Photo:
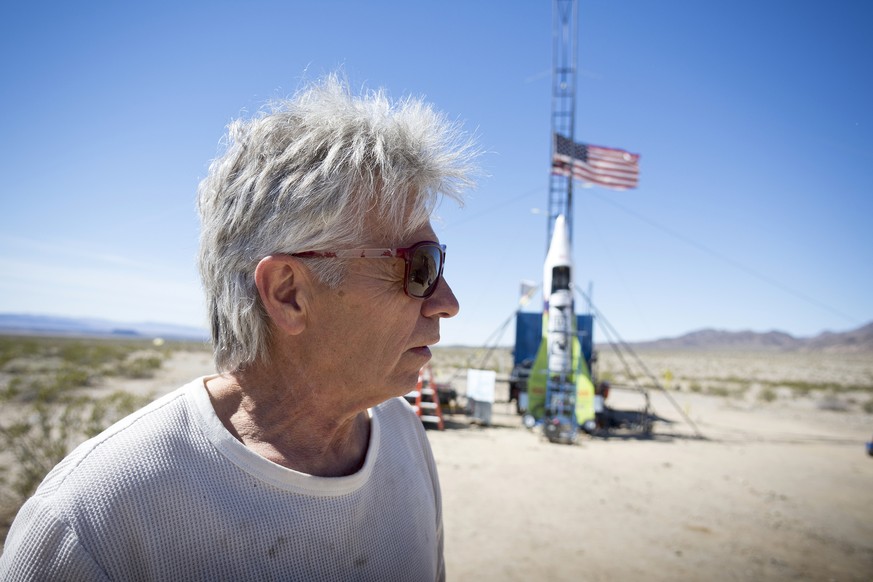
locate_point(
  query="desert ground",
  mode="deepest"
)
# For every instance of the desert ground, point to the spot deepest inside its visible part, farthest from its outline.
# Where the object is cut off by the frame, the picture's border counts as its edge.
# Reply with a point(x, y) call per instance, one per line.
point(776, 487)
point(756, 470)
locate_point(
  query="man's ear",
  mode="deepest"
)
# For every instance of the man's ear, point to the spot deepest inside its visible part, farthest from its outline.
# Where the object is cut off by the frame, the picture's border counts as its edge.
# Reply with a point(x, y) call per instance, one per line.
point(281, 285)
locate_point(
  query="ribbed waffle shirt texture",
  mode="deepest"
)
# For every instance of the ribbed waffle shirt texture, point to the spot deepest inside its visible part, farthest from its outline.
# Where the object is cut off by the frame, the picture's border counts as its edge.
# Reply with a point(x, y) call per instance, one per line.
point(169, 494)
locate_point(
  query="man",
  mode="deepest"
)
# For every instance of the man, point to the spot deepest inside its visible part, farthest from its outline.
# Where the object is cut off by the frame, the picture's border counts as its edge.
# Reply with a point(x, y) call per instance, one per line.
point(323, 280)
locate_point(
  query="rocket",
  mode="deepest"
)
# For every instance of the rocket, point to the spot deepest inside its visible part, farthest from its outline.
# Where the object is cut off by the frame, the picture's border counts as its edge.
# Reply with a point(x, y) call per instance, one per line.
point(558, 301)
point(560, 391)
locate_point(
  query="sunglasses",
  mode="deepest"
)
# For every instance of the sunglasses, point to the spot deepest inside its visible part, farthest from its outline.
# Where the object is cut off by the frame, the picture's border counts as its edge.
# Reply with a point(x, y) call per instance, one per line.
point(424, 264)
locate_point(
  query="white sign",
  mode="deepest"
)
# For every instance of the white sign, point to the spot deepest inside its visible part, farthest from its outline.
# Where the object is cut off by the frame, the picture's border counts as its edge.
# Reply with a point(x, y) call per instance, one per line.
point(480, 385)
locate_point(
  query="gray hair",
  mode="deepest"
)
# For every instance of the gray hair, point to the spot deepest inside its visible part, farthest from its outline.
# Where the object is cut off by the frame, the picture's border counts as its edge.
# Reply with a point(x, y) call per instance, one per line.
point(305, 175)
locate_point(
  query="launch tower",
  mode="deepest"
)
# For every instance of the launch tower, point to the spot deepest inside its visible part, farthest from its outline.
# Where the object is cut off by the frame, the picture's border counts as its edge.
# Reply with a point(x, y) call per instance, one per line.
point(564, 49)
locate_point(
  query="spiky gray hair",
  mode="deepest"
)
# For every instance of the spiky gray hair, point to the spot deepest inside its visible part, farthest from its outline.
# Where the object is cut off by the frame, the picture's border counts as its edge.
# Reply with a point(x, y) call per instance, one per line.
point(304, 175)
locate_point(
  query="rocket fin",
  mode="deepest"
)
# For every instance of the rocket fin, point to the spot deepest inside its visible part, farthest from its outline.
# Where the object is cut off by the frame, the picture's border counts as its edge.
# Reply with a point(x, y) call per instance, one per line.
point(539, 375)
point(584, 386)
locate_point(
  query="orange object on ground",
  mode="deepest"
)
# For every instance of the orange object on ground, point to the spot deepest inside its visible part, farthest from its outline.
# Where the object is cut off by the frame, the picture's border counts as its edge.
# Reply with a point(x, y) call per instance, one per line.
point(425, 400)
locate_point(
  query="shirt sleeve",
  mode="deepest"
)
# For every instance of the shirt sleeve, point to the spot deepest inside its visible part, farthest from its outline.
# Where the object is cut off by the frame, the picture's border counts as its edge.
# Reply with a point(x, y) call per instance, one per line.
point(40, 546)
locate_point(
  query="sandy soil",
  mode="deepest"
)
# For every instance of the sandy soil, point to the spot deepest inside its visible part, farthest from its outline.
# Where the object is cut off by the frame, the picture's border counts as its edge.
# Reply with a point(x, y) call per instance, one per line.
point(773, 491)
point(766, 495)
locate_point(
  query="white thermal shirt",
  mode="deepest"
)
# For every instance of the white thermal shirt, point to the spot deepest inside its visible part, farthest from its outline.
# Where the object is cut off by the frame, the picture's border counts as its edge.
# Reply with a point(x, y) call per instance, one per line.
point(169, 494)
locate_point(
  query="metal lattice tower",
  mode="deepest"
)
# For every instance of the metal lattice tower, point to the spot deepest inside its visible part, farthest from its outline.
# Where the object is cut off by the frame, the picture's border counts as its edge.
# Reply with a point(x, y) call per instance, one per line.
point(565, 23)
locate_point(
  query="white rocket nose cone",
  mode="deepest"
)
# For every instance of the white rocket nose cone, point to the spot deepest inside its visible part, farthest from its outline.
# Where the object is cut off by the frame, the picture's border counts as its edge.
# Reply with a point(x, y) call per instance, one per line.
point(558, 255)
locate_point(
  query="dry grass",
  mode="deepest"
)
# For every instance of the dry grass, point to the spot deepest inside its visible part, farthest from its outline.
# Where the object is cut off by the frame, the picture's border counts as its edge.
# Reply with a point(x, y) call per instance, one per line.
point(450, 361)
point(841, 382)
point(55, 393)
point(829, 381)
point(36, 371)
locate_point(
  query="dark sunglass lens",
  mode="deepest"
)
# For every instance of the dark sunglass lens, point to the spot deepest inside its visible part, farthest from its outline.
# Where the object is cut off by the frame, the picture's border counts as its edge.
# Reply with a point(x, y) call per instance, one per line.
point(424, 271)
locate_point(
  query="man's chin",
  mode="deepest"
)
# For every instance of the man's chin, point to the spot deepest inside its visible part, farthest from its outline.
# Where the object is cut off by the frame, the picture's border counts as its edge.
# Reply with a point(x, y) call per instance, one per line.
point(406, 385)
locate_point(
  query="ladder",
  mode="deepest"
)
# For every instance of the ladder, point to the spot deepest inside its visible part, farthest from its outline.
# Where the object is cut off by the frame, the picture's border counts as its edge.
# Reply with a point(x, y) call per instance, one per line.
point(425, 400)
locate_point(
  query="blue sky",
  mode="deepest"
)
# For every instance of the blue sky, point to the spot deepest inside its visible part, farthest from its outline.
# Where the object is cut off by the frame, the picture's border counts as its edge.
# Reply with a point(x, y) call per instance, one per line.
point(753, 120)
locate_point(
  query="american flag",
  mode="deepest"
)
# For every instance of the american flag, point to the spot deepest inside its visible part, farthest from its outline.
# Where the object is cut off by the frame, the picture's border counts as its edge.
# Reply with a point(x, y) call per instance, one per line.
point(607, 167)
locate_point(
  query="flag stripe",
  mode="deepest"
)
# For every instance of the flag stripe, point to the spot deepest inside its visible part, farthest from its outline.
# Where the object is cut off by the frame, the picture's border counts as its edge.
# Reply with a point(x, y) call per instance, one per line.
point(581, 172)
point(587, 170)
point(608, 167)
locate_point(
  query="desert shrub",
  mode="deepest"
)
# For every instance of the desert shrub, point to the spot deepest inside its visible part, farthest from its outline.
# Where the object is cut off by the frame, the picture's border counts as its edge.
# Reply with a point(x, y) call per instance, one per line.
point(23, 365)
point(37, 441)
point(799, 388)
point(42, 378)
point(12, 348)
point(44, 386)
point(44, 433)
point(868, 406)
point(44, 368)
point(832, 402)
point(71, 377)
point(804, 388)
point(767, 395)
point(140, 365)
point(91, 354)
point(104, 411)
point(856, 388)
point(719, 391)
point(695, 387)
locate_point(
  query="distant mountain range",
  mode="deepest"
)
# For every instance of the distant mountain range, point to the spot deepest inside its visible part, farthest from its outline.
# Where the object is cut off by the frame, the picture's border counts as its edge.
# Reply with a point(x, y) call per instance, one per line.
point(14, 323)
point(856, 340)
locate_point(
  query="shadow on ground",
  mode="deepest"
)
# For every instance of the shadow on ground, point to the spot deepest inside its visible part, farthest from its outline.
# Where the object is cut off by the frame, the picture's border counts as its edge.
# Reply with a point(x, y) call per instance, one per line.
point(627, 425)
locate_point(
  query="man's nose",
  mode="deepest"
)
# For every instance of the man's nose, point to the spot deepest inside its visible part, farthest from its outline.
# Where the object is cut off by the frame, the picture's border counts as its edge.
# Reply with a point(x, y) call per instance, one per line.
point(442, 303)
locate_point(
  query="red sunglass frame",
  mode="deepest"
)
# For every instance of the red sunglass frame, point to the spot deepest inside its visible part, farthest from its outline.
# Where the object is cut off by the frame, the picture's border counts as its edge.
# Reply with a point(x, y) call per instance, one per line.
point(405, 253)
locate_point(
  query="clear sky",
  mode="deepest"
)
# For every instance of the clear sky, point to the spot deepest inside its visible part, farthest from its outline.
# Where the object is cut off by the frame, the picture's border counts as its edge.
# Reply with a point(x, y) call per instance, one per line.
point(753, 119)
